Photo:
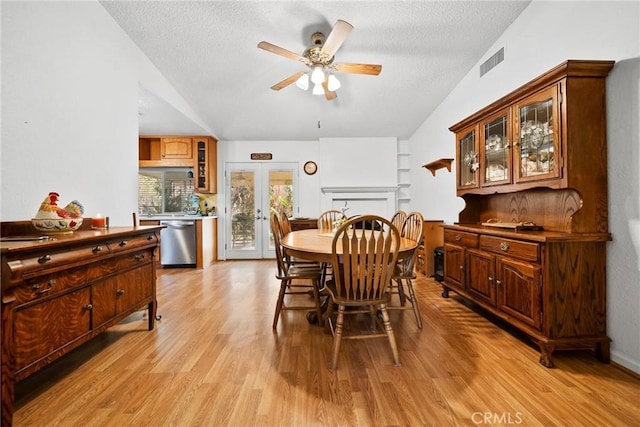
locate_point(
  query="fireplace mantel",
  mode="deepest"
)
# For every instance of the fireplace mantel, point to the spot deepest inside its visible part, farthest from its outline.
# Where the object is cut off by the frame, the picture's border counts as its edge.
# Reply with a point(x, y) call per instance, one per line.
point(359, 189)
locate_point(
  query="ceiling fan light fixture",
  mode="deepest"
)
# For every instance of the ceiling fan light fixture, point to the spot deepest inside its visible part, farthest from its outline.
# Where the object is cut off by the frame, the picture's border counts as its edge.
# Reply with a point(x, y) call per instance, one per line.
point(317, 76)
point(333, 83)
point(317, 89)
point(303, 82)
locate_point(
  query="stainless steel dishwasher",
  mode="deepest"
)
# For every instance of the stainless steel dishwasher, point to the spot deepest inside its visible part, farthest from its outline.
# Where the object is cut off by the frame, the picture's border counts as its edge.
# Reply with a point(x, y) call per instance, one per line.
point(178, 243)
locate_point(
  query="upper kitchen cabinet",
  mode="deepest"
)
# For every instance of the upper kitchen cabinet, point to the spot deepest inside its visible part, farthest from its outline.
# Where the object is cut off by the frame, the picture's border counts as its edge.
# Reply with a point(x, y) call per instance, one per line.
point(206, 159)
point(160, 151)
point(537, 135)
point(196, 152)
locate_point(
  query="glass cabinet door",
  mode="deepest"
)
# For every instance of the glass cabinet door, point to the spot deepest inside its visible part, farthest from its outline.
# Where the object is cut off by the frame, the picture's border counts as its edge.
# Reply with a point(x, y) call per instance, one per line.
point(467, 155)
point(537, 133)
point(495, 152)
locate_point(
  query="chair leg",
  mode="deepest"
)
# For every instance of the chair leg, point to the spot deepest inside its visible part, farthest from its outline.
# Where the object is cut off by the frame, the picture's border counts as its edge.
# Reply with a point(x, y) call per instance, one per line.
point(337, 338)
point(414, 303)
point(401, 294)
point(390, 334)
point(316, 297)
point(283, 287)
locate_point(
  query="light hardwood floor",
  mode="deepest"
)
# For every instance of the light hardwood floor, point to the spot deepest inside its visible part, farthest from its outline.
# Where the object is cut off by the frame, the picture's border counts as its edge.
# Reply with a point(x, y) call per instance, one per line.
point(213, 360)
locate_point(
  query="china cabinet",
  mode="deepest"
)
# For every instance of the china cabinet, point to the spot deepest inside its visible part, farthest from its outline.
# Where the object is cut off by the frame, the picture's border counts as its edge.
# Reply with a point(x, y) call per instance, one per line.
point(60, 292)
point(530, 243)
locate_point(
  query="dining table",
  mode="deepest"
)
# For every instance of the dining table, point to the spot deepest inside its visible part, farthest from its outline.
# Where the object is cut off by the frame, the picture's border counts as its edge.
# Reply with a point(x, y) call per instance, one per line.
point(315, 245)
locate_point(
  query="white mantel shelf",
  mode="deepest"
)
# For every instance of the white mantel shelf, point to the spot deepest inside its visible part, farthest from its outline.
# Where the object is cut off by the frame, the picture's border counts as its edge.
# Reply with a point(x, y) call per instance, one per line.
point(359, 189)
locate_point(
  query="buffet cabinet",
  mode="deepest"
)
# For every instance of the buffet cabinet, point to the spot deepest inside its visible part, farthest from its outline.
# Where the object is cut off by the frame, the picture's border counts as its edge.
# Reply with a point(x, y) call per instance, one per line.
point(59, 292)
point(530, 243)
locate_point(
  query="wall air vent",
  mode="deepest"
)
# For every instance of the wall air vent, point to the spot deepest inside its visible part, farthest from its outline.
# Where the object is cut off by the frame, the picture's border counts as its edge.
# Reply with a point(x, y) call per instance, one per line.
point(495, 59)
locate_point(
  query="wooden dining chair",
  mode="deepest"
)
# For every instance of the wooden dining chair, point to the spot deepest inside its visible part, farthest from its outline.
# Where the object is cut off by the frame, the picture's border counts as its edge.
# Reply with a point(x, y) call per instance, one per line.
point(398, 219)
point(294, 279)
point(362, 273)
point(327, 218)
point(284, 223)
point(404, 272)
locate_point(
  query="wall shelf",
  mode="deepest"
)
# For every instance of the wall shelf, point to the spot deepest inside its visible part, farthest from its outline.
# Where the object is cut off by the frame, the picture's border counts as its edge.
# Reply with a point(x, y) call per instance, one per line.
point(438, 164)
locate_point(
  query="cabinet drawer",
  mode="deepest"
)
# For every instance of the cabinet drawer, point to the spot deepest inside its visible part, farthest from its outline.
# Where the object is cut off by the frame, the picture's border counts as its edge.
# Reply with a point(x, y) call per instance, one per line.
point(138, 258)
point(128, 243)
point(515, 248)
point(461, 238)
point(50, 260)
point(50, 284)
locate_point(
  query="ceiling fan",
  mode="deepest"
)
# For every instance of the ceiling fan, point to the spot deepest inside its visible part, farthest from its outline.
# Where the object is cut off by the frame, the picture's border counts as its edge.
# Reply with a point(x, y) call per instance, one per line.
point(319, 58)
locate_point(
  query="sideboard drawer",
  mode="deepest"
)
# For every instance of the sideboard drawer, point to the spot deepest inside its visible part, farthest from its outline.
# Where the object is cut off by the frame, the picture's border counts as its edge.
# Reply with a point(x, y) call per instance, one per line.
point(515, 248)
point(463, 238)
point(130, 242)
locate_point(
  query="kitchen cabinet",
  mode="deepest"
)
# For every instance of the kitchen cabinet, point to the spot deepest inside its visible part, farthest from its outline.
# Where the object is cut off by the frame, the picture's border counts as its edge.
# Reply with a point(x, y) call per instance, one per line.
point(59, 293)
point(530, 243)
point(176, 148)
point(206, 165)
point(198, 153)
point(432, 237)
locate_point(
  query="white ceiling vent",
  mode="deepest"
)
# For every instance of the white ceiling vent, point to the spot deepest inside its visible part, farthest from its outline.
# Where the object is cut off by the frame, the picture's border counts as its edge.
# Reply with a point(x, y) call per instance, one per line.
point(487, 65)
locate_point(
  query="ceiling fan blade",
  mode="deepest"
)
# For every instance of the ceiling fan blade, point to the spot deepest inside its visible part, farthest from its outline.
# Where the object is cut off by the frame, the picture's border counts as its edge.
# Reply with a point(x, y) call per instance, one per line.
point(280, 51)
point(369, 69)
point(336, 37)
point(286, 82)
point(327, 93)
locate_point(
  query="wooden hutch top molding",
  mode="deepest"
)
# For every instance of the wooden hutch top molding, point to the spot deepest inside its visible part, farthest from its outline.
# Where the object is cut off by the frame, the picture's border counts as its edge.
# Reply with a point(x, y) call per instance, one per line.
point(570, 68)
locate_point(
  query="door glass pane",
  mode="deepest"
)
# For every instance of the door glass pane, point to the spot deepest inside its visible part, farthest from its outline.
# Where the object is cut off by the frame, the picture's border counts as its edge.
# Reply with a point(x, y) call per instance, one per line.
point(536, 138)
point(469, 159)
point(243, 208)
point(496, 152)
point(280, 195)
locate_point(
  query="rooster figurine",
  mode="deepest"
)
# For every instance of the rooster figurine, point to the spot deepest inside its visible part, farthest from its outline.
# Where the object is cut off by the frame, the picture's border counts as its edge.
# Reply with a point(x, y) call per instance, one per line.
point(49, 208)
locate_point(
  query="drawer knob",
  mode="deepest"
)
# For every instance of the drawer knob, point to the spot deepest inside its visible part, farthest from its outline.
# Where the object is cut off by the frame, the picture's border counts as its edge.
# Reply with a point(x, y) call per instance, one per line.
point(122, 243)
point(88, 307)
point(120, 292)
point(139, 257)
point(149, 237)
point(458, 237)
point(96, 249)
point(504, 246)
point(44, 258)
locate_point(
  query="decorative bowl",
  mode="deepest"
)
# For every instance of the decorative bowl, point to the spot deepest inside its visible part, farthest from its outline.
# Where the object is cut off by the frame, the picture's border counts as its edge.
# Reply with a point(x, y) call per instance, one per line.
point(57, 225)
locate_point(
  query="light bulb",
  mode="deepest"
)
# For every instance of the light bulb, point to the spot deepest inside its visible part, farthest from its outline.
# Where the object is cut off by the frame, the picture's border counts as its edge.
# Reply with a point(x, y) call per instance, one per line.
point(332, 83)
point(317, 89)
point(317, 76)
point(303, 82)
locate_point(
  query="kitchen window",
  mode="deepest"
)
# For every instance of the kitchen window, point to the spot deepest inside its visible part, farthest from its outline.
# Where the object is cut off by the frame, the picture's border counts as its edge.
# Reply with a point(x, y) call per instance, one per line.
point(164, 190)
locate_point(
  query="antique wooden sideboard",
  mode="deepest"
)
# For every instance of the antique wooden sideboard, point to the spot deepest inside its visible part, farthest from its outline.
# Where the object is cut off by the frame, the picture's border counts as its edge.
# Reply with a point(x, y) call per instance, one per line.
point(61, 291)
point(530, 244)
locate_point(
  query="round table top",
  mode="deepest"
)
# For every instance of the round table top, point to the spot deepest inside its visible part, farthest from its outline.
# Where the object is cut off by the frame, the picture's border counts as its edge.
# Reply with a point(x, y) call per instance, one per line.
point(315, 245)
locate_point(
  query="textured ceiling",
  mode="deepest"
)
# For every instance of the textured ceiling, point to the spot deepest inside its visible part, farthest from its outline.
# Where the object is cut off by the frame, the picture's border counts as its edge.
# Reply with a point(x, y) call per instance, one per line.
point(208, 51)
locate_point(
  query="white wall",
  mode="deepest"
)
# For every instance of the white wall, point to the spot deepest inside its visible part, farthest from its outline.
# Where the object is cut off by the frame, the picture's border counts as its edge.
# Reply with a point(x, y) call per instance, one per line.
point(70, 80)
point(545, 35)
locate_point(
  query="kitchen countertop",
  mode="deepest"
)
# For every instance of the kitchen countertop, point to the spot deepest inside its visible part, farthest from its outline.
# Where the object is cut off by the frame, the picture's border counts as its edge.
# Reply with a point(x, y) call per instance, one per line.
point(163, 217)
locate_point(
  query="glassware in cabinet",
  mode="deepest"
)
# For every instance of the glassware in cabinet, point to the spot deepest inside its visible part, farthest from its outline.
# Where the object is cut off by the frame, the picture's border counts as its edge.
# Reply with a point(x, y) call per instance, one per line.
point(495, 159)
point(537, 136)
point(467, 155)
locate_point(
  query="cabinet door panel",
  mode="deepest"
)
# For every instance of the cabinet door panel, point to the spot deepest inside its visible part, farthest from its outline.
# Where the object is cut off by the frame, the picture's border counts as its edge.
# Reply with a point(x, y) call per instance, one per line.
point(468, 161)
point(495, 149)
point(133, 287)
point(43, 328)
point(481, 273)
point(454, 266)
point(537, 124)
point(103, 301)
point(177, 148)
point(519, 290)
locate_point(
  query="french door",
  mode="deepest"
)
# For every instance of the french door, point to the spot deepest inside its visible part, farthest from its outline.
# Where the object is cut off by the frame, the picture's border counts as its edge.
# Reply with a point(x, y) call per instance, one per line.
point(253, 191)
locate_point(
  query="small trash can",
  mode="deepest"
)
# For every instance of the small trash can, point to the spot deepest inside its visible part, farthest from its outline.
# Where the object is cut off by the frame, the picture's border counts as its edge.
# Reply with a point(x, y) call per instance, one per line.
point(438, 263)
